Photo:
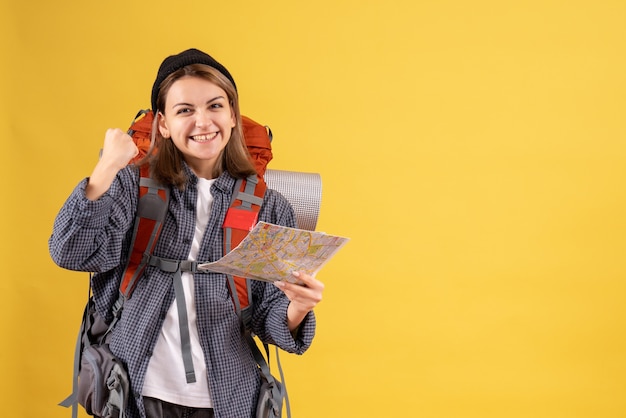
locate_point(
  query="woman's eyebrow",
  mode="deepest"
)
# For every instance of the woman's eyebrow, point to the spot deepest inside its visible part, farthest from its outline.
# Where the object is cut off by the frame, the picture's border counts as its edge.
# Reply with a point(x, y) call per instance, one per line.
point(216, 98)
point(207, 102)
point(181, 104)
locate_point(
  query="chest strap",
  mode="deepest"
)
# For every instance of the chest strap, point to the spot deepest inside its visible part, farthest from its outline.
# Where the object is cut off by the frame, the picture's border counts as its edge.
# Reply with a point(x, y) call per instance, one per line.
point(171, 266)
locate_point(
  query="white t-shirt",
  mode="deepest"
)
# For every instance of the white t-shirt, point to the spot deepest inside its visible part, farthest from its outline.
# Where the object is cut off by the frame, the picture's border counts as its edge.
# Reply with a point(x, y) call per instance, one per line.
point(165, 377)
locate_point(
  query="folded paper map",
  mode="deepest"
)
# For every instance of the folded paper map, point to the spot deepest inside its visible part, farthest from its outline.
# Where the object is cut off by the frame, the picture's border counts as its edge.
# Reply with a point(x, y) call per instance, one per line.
point(272, 252)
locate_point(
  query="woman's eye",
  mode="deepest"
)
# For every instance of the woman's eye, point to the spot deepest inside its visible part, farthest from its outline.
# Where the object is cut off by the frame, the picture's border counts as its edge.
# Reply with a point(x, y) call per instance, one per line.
point(183, 110)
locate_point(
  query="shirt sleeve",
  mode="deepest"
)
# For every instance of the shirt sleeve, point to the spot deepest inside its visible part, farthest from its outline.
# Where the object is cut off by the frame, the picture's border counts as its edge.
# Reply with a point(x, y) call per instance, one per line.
point(88, 235)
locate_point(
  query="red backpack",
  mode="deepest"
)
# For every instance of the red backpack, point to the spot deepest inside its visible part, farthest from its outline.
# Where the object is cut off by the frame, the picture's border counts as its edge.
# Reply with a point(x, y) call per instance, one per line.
point(240, 218)
point(100, 382)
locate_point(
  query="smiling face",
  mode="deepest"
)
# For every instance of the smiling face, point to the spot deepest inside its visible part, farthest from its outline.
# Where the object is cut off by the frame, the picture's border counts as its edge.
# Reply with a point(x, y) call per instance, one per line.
point(199, 120)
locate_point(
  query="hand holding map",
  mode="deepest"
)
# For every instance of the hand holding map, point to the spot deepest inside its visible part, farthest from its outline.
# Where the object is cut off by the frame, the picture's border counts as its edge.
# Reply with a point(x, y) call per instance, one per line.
point(272, 252)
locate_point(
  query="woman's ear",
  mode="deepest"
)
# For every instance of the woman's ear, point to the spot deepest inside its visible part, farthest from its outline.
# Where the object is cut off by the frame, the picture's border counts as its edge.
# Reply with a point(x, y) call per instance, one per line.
point(163, 130)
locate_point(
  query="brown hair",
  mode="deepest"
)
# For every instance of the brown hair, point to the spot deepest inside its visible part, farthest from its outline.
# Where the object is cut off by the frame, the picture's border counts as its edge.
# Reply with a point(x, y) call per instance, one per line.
point(166, 162)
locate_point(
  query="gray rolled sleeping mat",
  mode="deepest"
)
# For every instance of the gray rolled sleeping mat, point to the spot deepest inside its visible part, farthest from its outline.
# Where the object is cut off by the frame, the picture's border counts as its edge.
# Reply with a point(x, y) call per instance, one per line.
point(302, 190)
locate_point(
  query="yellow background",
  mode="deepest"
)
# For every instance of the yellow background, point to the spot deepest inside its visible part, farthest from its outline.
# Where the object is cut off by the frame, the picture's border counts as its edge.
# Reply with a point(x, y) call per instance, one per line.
point(472, 151)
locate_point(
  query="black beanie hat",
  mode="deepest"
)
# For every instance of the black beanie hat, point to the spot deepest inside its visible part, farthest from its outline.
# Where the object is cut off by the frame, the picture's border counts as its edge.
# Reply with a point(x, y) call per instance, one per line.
point(176, 62)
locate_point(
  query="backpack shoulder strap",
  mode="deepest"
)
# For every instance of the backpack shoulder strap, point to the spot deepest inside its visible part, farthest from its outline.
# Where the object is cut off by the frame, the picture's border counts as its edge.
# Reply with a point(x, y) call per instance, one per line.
point(241, 217)
point(151, 207)
point(149, 218)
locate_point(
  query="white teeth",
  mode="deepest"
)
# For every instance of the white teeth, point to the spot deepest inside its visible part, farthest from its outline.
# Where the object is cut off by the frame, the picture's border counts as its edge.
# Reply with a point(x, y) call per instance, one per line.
point(204, 138)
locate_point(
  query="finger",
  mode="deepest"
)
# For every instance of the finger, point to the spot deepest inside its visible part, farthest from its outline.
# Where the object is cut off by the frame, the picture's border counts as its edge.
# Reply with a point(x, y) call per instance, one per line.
point(293, 290)
point(308, 280)
point(304, 297)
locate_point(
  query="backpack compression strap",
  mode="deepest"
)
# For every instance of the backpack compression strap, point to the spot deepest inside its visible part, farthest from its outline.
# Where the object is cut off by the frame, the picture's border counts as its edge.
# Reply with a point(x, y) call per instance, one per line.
point(240, 219)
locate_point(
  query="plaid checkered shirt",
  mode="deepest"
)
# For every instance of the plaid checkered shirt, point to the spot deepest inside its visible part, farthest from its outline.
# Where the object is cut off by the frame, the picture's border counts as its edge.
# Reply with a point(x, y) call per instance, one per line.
point(94, 236)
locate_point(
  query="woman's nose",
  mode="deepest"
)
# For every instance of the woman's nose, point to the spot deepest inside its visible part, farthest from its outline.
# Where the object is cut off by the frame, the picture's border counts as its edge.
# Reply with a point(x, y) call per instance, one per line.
point(203, 119)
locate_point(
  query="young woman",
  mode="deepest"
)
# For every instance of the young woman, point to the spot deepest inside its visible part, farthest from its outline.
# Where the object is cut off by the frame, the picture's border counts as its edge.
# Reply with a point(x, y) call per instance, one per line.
point(201, 153)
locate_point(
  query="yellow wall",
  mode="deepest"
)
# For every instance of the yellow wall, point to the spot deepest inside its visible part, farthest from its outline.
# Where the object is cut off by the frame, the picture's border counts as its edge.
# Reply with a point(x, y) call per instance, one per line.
point(473, 151)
